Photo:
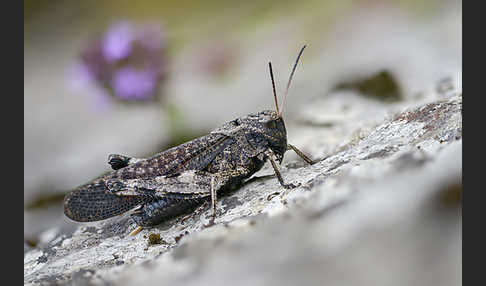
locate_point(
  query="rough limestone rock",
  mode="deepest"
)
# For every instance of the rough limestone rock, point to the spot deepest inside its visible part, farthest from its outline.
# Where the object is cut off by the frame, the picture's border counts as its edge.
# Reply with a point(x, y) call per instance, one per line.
point(382, 206)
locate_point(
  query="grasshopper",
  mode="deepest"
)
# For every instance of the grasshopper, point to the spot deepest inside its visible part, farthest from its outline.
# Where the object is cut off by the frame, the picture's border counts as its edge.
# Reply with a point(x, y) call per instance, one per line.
point(180, 179)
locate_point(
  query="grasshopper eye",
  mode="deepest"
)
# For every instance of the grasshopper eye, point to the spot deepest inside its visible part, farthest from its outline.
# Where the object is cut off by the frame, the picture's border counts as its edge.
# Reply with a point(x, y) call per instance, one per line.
point(271, 124)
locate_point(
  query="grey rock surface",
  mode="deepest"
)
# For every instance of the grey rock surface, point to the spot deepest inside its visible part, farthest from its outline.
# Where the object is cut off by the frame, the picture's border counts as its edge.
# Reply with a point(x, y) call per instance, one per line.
point(382, 206)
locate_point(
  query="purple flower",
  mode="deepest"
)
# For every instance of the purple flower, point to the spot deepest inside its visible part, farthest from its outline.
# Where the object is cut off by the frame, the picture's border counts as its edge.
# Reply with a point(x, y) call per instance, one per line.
point(130, 83)
point(129, 63)
point(117, 43)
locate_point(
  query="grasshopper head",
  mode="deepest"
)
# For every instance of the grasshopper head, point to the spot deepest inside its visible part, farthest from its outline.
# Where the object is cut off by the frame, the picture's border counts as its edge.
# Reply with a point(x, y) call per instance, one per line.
point(265, 129)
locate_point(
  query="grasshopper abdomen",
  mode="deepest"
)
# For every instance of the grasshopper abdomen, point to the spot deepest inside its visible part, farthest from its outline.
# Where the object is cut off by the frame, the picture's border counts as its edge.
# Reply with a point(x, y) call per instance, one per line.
point(158, 211)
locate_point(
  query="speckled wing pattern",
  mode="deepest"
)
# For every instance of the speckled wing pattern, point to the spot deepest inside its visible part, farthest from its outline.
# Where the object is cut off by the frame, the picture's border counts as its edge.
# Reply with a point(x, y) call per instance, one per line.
point(192, 155)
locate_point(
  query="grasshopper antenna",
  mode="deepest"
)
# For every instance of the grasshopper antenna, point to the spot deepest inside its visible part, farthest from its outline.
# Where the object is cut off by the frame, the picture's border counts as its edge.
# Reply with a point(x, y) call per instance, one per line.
point(273, 85)
point(290, 78)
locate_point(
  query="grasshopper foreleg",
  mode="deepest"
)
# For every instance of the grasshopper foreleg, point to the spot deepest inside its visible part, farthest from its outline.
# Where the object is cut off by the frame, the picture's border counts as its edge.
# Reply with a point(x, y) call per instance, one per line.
point(271, 156)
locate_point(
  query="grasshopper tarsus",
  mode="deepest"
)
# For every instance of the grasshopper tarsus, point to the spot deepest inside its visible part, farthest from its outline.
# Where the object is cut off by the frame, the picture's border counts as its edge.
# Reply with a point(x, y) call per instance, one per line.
point(210, 223)
point(291, 186)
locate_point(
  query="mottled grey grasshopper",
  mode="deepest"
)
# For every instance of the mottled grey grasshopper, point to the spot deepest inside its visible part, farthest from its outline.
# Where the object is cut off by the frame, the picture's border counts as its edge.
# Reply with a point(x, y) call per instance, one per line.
point(179, 179)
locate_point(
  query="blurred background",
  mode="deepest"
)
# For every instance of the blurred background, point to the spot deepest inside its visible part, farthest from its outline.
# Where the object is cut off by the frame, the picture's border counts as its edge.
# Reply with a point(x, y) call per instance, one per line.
point(137, 77)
